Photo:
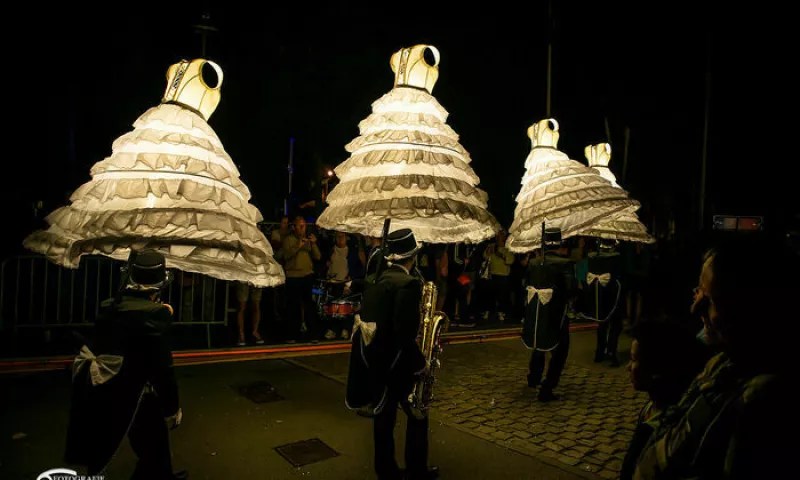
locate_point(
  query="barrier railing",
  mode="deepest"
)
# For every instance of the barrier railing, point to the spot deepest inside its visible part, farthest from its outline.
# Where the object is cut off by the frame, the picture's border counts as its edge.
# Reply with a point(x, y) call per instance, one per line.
point(34, 293)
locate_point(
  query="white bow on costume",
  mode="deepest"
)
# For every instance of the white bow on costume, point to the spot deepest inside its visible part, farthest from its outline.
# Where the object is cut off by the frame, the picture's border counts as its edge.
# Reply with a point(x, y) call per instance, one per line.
point(545, 294)
point(102, 368)
point(603, 279)
point(367, 329)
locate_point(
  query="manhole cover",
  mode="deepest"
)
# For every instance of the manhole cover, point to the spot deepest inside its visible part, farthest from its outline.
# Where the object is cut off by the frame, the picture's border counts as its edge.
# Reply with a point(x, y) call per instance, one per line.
point(258, 392)
point(306, 452)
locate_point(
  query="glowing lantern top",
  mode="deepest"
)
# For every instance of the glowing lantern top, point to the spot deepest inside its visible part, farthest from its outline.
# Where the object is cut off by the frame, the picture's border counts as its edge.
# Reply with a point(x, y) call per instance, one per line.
point(408, 165)
point(186, 87)
point(560, 192)
point(411, 70)
point(621, 226)
point(169, 185)
point(598, 157)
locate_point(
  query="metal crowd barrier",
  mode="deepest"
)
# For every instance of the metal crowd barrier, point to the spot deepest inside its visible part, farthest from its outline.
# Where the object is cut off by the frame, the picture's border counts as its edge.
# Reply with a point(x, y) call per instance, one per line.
point(36, 294)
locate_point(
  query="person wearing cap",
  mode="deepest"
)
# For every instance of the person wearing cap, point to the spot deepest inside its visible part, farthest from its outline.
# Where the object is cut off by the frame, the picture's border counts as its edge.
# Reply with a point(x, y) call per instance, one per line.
point(386, 333)
point(123, 379)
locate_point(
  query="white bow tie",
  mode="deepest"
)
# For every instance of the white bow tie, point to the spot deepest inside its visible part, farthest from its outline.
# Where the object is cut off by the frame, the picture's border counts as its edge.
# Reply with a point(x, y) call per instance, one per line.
point(102, 368)
point(545, 294)
point(603, 279)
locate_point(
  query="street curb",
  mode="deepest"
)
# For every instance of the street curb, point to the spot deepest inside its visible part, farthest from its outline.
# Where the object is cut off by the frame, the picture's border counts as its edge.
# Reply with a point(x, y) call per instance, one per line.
point(538, 456)
point(201, 357)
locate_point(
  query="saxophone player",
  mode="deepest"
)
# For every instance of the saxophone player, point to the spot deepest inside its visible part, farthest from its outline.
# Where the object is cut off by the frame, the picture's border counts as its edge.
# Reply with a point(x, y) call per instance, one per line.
point(391, 360)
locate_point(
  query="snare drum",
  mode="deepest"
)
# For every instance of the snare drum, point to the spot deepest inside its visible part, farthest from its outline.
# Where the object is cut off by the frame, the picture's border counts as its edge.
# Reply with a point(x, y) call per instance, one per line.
point(340, 308)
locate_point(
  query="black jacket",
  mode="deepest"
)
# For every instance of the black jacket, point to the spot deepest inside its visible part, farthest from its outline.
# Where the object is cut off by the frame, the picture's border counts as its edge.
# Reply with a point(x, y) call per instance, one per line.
point(136, 329)
point(393, 357)
point(603, 302)
point(542, 326)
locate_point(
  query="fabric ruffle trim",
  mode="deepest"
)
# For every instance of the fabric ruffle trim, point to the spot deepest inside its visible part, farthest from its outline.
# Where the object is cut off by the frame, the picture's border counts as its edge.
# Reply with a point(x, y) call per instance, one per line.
point(622, 227)
point(591, 185)
point(174, 188)
point(396, 120)
point(437, 211)
point(173, 224)
point(406, 136)
point(221, 263)
point(350, 191)
point(159, 137)
point(377, 157)
point(410, 96)
point(175, 115)
point(178, 163)
point(530, 218)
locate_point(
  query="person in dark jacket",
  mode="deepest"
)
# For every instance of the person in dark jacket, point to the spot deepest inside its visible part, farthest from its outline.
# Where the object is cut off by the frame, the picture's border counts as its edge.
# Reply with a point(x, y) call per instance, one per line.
point(386, 359)
point(664, 376)
point(736, 419)
point(550, 288)
point(123, 380)
point(604, 299)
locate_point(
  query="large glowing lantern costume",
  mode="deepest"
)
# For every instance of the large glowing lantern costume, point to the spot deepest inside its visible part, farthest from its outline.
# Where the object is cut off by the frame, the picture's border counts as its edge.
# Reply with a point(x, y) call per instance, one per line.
point(622, 226)
point(560, 192)
point(168, 185)
point(408, 165)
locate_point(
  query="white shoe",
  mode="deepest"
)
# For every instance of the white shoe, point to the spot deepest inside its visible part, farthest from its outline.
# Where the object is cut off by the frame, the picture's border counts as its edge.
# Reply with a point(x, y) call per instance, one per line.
point(486, 315)
point(330, 335)
point(345, 335)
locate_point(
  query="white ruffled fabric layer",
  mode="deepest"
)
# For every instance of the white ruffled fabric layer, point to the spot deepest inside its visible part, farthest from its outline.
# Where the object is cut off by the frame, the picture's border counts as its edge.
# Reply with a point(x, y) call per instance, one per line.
point(168, 185)
point(430, 219)
point(409, 100)
point(408, 165)
point(625, 227)
point(408, 156)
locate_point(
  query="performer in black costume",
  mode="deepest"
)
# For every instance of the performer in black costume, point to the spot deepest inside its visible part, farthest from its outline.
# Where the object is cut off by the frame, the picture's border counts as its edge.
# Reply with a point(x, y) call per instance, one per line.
point(603, 298)
point(123, 380)
point(550, 288)
point(386, 359)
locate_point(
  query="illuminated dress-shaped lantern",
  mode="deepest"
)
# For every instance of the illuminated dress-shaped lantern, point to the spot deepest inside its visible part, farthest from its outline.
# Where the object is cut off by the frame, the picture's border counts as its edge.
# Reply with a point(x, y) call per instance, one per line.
point(562, 193)
point(168, 185)
point(624, 226)
point(408, 165)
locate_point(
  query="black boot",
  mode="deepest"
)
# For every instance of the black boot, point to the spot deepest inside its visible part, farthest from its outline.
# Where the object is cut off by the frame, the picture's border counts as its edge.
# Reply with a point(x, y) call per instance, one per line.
point(598, 357)
point(546, 395)
point(614, 361)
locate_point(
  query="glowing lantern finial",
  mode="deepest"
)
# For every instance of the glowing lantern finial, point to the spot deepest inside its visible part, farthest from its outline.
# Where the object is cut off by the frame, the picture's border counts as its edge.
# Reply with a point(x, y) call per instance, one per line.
point(186, 86)
point(543, 135)
point(411, 70)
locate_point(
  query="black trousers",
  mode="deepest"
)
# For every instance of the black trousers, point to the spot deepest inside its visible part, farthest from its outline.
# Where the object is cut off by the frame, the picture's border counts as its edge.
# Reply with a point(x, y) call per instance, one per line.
point(501, 295)
point(558, 358)
point(416, 451)
point(608, 333)
point(299, 294)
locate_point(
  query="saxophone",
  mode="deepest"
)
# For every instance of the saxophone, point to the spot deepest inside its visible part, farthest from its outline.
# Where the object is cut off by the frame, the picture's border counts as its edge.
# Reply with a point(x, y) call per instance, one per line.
point(431, 328)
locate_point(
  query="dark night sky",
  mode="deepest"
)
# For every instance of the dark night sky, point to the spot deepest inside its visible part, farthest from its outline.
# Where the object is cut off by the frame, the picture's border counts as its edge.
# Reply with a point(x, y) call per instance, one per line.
point(312, 72)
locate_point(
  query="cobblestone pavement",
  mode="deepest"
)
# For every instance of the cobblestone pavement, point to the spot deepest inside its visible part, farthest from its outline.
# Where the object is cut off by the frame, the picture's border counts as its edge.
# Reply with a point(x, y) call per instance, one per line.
point(485, 391)
point(482, 390)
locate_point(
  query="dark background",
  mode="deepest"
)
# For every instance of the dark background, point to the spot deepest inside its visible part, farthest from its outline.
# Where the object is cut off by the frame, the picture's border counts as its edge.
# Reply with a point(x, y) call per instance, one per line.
point(82, 74)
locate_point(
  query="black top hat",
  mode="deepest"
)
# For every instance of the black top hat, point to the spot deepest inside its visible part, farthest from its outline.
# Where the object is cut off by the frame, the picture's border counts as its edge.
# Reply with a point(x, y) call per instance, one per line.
point(401, 244)
point(552, 237)
point(147, 270)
